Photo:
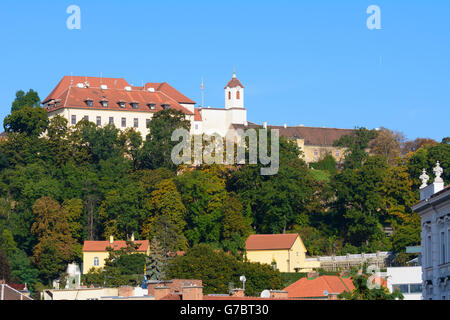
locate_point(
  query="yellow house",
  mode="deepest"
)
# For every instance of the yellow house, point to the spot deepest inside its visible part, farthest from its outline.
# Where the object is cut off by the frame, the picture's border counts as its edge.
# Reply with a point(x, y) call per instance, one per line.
point(95, 252)
point(286, 252)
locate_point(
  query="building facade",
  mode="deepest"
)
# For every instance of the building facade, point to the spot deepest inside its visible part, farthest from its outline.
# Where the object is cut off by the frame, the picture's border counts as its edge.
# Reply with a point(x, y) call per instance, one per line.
point(407, 279)
point(434, 210)
point(285, 252)
point(95, 252)
point(114, 101)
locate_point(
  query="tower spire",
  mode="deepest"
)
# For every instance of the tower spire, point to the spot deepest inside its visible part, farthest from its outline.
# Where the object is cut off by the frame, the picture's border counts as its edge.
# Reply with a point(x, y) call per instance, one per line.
point(234, 72)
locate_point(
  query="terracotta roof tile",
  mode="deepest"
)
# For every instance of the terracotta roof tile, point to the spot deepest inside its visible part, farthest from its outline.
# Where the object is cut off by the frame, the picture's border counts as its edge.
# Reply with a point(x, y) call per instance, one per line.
point(315, 288)
point(70, 95)
point(234, 82)
point(270, 241)
point(312, 135)
point(100, 246)
point(197, 115)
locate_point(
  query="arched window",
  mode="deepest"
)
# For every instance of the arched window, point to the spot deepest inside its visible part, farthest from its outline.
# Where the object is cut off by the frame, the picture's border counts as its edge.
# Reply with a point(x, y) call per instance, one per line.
point(229, 95)
point(96, 261)
point(238, 95)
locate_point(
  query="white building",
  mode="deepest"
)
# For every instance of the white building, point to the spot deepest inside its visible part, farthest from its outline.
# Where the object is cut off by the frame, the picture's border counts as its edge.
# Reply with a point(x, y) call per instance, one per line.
point(434, 210)
point(407, 279)
point(114, 101)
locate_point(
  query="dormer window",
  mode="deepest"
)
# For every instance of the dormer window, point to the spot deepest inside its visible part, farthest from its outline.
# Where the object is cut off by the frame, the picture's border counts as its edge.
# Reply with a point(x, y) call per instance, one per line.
point(151, 106)
point(134, 105)
point(89, 102)
point(121, 104)
point(104, 103)
point(165, 106)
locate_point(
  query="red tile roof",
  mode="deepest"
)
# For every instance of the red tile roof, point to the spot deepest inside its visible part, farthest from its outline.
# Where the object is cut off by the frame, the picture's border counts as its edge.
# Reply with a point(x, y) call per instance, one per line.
point(270, 241)
point(197, 115)
point(315, 288)
point(70, 95)
point(234, 82)
point(313, 136)
point(100, 246)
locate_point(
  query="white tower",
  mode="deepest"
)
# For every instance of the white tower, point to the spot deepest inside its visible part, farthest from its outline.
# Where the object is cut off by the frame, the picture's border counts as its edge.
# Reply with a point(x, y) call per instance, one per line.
point(234, 94)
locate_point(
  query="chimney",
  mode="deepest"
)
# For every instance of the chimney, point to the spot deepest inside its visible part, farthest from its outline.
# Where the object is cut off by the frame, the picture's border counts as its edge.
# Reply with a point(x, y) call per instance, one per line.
point(238, 293)
point(285, 125)
point(426, 191)
point(111, 239)
point(192, 292)
point(278, 294)
point(161, 292)
point(126, 291)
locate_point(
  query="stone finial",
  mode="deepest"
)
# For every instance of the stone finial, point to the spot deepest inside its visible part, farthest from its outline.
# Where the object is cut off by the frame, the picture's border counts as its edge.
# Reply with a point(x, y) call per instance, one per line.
point(424, 177)
point(438, 171)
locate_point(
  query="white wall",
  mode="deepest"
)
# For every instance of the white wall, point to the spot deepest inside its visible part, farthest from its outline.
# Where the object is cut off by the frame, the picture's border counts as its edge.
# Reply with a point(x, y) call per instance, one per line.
point(405, 276)
point(116, 114)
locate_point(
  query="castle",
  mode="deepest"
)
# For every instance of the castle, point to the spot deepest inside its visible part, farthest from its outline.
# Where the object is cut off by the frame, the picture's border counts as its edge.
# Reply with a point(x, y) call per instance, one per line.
point(114, 101)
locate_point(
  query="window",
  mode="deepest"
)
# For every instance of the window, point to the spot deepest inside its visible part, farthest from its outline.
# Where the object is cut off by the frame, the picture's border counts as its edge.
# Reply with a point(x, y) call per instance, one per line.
point(134, 105)
point(147, 122)
point(121, 104)
point(408, 287)
point(99, 121)
point(196, 127)
point(136, 122)
point(86, 118)
point(316, 153)
point(124, 122)
point(111, 120)
point(415, 288)
point(337, 153)
point(89, 103)
point(428, 250)
point(74, 119)
point(96, 261)
point(104, 103)
point(229, 95)
point(152, 106)
point(448, 245)
point(165, 106)
point(443, 247)
point(238, 95)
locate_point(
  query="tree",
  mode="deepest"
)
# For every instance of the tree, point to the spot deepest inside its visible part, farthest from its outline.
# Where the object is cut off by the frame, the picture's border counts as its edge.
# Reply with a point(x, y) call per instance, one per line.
point(74, 208)
point(166, 206)
point(56, 246)
point(157, 262)
point(414, 145)
point(359, 206)
point(27, 120)
point(387, 144)
point(5, 268)
point(356, 144)
point(363, 288)
point(7, 243)
point(169, 237)
point(217, 269)
point(203, 195)
point(30, 99)
point(157, 149)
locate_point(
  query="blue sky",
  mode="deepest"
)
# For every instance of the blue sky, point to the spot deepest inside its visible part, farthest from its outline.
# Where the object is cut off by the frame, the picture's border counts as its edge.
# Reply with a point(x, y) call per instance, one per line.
point(309, 62)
